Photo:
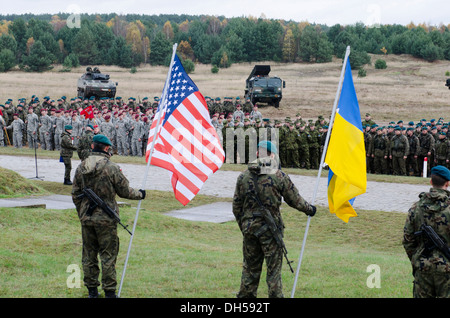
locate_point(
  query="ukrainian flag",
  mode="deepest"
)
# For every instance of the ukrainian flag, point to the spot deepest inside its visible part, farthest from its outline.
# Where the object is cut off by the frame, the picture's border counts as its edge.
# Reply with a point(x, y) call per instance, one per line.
point(346, 154)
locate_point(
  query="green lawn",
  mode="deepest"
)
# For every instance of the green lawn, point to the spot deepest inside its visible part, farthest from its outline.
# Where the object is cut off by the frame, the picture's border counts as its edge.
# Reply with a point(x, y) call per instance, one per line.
point(177, 258)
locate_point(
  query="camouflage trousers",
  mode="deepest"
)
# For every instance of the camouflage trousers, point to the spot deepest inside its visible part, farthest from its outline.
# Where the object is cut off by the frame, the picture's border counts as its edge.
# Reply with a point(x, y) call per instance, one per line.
point(256, 249)
point(67, 167)
point(17, 139)
point(399, 165)
point(431, 285)
point(100, 240)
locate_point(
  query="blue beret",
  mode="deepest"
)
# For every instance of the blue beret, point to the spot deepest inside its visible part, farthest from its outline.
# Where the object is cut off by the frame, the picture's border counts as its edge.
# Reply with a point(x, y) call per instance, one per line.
point(268, 145)
point(102, 139)
point(441, 171)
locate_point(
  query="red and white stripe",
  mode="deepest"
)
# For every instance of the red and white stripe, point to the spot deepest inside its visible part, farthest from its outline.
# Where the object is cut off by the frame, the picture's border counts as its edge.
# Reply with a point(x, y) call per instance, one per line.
point(188, 146)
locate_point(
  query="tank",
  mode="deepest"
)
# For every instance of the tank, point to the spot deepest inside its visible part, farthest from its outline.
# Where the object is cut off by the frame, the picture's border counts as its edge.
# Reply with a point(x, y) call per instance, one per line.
point(94, 83)
point(262, 88)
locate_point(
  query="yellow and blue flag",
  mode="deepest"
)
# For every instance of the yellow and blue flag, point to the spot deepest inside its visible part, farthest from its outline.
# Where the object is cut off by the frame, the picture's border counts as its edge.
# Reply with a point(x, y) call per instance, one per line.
point(346, 154)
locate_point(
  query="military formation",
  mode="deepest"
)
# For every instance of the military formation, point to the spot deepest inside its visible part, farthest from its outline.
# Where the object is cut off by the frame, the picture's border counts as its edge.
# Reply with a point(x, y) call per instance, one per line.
point(42, 124)
point(397, 148)
point(402, 148)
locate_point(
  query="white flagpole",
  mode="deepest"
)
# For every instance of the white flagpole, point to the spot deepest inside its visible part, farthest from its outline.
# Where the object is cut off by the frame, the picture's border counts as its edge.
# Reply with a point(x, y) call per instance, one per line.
point(338, 92)
point(163, 106)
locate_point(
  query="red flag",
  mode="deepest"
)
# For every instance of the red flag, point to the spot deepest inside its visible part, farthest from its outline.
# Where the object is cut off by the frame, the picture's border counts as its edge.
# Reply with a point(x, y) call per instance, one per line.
point(87, 112)
point(186, 142)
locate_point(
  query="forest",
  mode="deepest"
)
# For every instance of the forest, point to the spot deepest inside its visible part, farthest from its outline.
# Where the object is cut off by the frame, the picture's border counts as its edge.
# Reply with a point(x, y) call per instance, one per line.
point(37, 42)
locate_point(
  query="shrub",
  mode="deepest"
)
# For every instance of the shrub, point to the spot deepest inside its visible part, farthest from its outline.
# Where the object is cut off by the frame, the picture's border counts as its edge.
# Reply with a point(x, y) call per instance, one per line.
point(380, 64)
point(362, 72)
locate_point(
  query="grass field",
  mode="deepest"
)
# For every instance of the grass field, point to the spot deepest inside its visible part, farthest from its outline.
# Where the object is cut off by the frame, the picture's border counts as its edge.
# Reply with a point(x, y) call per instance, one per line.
point(409, 89)
point(173, 258)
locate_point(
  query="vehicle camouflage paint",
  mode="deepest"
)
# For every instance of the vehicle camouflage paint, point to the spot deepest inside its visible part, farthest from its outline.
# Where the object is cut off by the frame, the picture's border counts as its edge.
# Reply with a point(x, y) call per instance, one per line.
point(94, 83)
point(262, 88)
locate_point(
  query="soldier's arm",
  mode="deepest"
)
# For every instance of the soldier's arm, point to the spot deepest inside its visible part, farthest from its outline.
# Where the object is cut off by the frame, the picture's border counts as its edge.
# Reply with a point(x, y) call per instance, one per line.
point(409, 240)
point(122, 186)
point(238, 201)
point(292, 197)
point(77, 190)
point(406, 146)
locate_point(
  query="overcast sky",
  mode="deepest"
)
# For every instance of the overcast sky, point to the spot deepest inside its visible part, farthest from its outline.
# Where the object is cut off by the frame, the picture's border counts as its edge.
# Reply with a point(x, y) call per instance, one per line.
point(327, 12)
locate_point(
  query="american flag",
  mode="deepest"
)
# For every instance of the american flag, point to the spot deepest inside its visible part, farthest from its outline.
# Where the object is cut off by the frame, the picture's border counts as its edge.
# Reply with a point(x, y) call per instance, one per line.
point(186, 142)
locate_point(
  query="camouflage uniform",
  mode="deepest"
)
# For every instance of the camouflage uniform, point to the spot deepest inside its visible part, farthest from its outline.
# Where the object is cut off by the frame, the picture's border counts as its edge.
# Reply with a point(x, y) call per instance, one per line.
point(2, 135)
point(411, 161)
point(66, 153)
point(123, 128)
point(431, 272)
point(84, 146)
point(442, 151)
point(379, 151)
point(44, 132)
point(59, 128)
point(136, 137)
point(426, 148)
point(32, 129)
point(17, 126)
point(99, 231)
point(258, 242)
point(313, 142)
point(399, 150)
point(291, 137)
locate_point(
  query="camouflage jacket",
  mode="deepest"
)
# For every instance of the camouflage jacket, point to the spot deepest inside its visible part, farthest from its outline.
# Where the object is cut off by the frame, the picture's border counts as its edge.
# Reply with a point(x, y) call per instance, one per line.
point(399, 146)
point(106, 179)
point(432, 209)
point(426, 144)
point(273, 186)
point(67, 146)
point(443, 149)
point(84, 146)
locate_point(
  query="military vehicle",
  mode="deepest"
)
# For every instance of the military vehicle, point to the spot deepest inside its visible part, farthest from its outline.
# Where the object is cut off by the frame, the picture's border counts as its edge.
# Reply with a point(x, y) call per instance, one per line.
point(262, 88)
point(94, 83)
point(448, 83)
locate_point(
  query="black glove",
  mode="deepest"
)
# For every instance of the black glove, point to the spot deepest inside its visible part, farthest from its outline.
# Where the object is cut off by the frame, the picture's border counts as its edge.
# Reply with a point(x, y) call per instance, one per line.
point(312, 210)
point(143, 193)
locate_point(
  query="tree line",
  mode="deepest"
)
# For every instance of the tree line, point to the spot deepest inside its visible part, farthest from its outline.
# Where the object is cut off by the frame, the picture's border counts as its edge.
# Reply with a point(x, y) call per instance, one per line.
point(36, 42)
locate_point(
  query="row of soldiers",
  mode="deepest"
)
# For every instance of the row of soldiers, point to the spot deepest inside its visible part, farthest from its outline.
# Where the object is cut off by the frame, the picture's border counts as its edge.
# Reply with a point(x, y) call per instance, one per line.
point(35, 123)
point(402, 149)
point(301, 142)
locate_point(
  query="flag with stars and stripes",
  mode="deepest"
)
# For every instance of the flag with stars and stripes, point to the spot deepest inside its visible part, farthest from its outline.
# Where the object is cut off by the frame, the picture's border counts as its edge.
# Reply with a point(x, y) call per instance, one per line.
point(186, 143)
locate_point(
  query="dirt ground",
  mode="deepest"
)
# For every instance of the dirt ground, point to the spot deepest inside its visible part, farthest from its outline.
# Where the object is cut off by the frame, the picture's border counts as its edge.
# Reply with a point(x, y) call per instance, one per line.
point(409, 89)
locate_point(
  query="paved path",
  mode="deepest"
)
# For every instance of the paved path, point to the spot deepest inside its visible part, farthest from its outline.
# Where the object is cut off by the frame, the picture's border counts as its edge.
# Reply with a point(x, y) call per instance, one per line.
point(379, 196)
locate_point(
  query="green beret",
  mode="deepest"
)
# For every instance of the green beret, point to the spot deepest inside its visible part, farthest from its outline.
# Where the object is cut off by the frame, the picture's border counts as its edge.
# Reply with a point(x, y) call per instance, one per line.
point(90, 126)
point(441, 171)
point(68, 127)
point(268, 145)
point(102, 139)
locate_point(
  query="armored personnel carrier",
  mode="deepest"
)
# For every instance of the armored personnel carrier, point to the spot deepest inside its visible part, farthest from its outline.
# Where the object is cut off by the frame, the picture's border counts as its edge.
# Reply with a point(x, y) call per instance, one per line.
point(94, 83)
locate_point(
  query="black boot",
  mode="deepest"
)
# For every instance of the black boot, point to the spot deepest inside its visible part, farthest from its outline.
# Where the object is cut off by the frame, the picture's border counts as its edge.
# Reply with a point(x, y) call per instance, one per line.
point(93, 292)
point(110, 294)
point(67, 182)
